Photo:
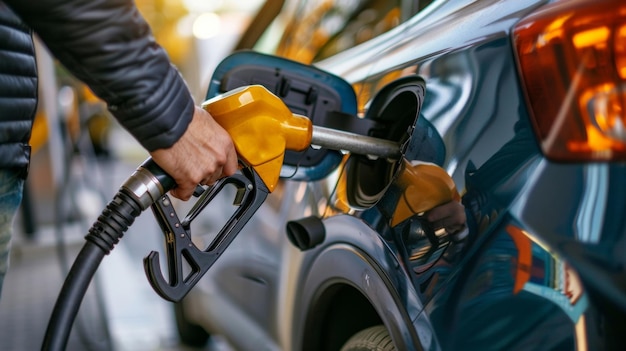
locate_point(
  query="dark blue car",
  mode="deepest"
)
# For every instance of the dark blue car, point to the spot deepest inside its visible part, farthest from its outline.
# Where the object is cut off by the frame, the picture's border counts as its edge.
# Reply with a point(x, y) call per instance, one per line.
point(521, 103)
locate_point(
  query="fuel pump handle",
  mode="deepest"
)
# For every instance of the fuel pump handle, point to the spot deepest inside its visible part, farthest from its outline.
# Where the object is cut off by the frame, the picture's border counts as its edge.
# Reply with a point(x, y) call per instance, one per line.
point(262, 128)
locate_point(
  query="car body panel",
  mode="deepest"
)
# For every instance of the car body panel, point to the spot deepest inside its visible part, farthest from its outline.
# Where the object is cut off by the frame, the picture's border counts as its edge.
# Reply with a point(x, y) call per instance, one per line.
point(543, 267)
point(347, 259)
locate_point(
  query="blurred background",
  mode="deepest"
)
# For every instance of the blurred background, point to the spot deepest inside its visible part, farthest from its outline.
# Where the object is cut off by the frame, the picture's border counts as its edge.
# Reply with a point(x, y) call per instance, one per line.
point(81, 156)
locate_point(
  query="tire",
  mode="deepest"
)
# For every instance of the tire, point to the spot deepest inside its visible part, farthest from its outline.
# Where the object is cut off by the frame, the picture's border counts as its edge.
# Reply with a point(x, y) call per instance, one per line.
point(189, 333)
point(374, 338)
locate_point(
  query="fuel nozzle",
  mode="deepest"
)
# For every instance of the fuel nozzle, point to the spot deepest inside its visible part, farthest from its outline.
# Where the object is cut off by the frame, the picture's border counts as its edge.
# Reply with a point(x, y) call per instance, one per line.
point(424, 186)
point(263, 128)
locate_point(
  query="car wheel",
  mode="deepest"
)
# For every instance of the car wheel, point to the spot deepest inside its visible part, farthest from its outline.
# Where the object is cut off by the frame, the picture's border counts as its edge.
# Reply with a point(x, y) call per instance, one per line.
point(189, 333)
point(374, 338)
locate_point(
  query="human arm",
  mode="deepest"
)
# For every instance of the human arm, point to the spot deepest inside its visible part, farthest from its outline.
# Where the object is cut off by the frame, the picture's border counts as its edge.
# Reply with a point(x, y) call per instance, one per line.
point(109, 46)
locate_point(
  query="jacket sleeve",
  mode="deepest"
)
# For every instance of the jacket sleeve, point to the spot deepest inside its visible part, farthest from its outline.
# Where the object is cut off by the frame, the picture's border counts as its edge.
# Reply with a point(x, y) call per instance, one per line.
point(108, 45)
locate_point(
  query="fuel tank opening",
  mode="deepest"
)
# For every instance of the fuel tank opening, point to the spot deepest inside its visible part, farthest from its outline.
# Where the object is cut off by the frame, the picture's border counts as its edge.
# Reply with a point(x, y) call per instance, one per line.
point(395, 109)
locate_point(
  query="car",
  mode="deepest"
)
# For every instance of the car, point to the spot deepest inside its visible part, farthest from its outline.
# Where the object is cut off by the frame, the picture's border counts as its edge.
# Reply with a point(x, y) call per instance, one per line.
point(516, 103)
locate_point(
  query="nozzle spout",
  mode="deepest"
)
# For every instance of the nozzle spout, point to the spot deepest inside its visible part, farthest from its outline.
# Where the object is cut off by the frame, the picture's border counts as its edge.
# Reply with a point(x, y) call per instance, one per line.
point(355, 143)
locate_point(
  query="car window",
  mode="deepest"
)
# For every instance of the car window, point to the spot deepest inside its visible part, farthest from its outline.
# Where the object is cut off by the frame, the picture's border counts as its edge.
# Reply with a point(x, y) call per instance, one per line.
point(317, 29)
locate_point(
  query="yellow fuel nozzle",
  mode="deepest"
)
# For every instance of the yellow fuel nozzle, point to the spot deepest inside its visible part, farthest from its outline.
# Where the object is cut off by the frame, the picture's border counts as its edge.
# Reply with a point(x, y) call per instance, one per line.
point(424, 186)
point(262, 128)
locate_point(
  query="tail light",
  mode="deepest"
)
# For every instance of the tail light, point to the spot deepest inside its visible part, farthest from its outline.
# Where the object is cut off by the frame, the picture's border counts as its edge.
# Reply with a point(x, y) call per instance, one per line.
point(572, 58)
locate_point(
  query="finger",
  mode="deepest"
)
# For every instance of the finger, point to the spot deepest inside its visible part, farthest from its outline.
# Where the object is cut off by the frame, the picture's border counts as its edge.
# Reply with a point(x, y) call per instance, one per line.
point(455, 228)
point(449, 218)
point(232, 163)
point(207, 181)
point(182, 192)
point(440, 212)
point(213, 177)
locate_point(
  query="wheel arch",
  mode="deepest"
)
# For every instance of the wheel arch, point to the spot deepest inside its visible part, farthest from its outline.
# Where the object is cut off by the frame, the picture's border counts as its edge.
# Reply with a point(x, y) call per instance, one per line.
point(338, 312)
point(347, 290)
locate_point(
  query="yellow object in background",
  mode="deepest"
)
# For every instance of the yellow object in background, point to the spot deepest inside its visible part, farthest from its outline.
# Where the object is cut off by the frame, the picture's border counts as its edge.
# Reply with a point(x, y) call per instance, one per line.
point(39, 134)
point(163, 17)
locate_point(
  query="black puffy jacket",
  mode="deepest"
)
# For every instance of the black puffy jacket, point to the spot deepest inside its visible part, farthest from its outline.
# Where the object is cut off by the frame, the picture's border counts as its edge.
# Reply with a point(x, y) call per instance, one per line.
point(105, 43)
point(18, 90)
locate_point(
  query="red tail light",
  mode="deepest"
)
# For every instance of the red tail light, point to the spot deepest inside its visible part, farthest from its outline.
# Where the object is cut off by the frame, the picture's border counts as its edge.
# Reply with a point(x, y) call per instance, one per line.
point(572, 58)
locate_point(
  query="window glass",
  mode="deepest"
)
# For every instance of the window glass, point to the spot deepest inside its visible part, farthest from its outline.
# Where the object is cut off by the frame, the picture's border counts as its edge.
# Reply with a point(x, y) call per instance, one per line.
point(317, 29)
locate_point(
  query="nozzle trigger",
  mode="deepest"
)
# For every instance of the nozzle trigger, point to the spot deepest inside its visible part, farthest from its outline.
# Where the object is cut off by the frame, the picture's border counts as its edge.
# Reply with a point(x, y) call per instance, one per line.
point(251, 193)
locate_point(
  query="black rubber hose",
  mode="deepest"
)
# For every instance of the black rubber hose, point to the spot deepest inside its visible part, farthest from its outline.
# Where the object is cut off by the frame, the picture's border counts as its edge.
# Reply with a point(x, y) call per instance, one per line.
point(72, 293)
point(105, 233)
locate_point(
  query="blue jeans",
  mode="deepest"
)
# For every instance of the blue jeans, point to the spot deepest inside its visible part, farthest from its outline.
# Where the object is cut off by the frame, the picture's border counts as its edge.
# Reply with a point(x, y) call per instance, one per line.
point(11, 186)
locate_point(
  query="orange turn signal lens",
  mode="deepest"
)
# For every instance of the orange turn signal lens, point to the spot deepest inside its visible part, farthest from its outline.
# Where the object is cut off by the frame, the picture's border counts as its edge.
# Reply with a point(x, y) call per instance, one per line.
point(572, 59)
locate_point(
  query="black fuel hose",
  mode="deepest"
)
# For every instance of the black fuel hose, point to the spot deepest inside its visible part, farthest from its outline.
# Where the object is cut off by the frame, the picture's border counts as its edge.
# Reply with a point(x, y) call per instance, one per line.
point(144, 187)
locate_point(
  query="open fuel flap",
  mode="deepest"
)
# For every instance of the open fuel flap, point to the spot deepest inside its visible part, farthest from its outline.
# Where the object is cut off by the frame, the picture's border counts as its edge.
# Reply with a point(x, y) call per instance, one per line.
point(327, 100)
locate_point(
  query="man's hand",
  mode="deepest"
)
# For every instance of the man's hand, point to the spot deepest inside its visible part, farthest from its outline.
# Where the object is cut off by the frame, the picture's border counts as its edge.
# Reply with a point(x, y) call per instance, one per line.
point(204, 154)
point(449, 216)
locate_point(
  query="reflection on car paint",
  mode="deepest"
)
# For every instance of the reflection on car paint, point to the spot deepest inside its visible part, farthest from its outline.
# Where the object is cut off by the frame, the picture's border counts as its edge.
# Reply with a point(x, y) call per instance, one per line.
point(522, 279)
point(320, 28)
point(521, 288)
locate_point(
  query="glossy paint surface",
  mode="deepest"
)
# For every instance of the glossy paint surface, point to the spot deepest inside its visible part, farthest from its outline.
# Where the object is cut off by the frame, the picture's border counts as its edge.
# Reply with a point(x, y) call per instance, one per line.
point(543, 257)
point(542, 267)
